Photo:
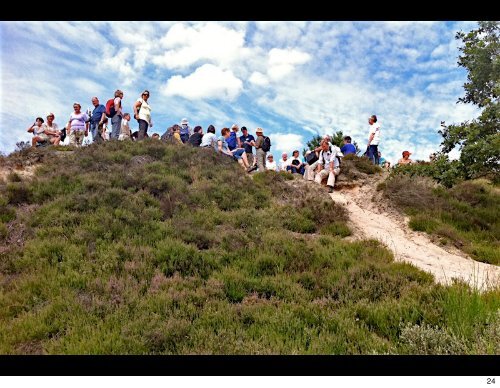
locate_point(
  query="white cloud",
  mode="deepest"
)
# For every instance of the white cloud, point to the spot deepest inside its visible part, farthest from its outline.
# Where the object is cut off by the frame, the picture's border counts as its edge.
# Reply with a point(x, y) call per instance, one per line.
point(292, 57)
point(285, 142)
point(300, 78)
point(210, 42)
point(207, 81)
point(283, 61)
point(258, 78)
point(120, 63)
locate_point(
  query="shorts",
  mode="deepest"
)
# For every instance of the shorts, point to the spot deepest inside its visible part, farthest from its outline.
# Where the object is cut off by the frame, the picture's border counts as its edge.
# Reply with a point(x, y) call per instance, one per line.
point(237, 154)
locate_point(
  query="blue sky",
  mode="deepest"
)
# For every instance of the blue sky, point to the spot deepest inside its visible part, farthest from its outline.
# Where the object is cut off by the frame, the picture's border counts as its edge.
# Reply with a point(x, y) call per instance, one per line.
point(294, 79)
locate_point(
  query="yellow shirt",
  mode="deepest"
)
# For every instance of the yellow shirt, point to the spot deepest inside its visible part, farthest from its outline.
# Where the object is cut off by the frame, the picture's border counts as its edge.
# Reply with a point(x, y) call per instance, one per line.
point(177, 137)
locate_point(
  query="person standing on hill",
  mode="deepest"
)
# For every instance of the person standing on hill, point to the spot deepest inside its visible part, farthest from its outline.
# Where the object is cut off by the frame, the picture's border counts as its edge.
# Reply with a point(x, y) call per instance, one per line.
point(142, 113)
point(261, 154)
point(78, 125)
point(97, 120)
point(373, 139)
point(246, 142)
point(116, 120)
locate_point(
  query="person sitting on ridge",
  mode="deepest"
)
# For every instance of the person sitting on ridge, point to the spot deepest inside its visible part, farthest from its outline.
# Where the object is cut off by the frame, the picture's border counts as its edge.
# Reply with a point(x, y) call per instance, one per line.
point(209, 139)
point(328, 164)
point(195, 139)
point(39, 135)
point(406, 158)
point(348, 148)
point(296, 166)
point(185, 130)
point(237, 154)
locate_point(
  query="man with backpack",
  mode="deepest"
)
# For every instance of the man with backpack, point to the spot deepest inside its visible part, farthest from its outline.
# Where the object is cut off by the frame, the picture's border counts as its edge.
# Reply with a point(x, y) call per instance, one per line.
point(262, 145)
point(114, 112)
point(328, 164)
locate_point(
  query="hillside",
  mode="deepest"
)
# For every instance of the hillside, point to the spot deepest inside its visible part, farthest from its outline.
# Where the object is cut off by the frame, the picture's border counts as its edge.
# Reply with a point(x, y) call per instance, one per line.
point(146, 248)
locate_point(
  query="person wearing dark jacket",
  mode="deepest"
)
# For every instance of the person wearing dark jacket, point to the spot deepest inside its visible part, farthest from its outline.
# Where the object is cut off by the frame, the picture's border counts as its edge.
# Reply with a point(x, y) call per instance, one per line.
point(195, 138)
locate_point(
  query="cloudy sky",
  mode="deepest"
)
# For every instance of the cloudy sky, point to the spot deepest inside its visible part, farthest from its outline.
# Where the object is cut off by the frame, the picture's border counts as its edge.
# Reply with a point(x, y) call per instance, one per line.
point(294, 79)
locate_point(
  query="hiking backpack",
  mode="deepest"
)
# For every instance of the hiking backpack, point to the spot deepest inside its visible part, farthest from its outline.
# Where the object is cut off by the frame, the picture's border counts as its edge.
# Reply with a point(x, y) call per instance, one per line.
point(110, 108)
point(266, 144)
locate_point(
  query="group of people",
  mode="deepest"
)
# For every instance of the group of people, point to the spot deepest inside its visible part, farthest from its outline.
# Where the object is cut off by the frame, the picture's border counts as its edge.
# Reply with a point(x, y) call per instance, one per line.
point(322, 162)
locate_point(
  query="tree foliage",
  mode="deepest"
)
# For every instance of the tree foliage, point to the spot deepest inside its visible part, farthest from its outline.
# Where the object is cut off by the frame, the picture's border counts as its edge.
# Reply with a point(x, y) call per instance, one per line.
point(479, 139)
point(337, 139)
point(22, 145)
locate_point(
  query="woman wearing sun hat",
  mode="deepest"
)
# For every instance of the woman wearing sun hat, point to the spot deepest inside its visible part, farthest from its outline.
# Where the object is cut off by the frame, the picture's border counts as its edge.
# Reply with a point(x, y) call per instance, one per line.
point(406, 158)
point(271, 163)
point(142, 113)
point(185, 131)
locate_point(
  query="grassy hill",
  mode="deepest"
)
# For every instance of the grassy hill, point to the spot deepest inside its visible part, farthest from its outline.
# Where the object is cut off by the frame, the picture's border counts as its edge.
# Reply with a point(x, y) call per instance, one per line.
point(146, 248)
point(466, 216)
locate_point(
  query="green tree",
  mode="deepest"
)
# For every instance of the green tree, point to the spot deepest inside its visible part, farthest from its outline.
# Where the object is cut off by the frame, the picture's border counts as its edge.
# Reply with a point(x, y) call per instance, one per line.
point(337, 139)
point(479, 139)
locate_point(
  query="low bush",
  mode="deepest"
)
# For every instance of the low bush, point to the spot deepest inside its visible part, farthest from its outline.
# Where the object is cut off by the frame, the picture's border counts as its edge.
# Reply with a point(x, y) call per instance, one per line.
point(147, 248)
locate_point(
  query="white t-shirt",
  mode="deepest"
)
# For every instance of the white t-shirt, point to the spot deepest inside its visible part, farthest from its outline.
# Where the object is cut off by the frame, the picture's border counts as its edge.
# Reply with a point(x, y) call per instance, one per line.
point(375, 128)
point(124, 128)
point(283, 164)
point(144, 111)
point(271, 165)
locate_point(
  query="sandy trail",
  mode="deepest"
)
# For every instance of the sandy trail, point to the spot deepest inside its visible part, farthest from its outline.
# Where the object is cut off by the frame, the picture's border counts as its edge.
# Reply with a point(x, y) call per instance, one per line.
point(377, 222)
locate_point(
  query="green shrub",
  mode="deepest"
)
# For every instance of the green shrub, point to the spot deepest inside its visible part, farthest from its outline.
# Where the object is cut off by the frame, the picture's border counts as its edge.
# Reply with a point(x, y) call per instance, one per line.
point(423, 223)
point(336, 229)
point(147, 248)
point(4, 232)
point(18, 193)
point(467, 215)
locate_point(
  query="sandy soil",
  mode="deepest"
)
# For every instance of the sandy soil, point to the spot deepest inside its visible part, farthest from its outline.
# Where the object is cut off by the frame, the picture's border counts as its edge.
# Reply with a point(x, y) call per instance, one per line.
point(26, 172)
point(371, 218)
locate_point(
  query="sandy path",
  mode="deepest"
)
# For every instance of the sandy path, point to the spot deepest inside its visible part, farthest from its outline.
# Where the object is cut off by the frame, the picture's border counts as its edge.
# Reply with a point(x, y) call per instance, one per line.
point(413, 247)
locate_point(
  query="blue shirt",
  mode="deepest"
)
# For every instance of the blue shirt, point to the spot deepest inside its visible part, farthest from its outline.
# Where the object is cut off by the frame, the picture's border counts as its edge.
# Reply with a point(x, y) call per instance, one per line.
point(348, 149)
point(231, 141)
point(381, 161)
point(97, 114)
point(248, 147)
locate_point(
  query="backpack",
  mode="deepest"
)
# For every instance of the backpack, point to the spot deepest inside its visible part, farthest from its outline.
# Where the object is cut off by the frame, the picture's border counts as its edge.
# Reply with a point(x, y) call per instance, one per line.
point(110, 108)
point(63, 134)
point(266, 144)
point(312, 158)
